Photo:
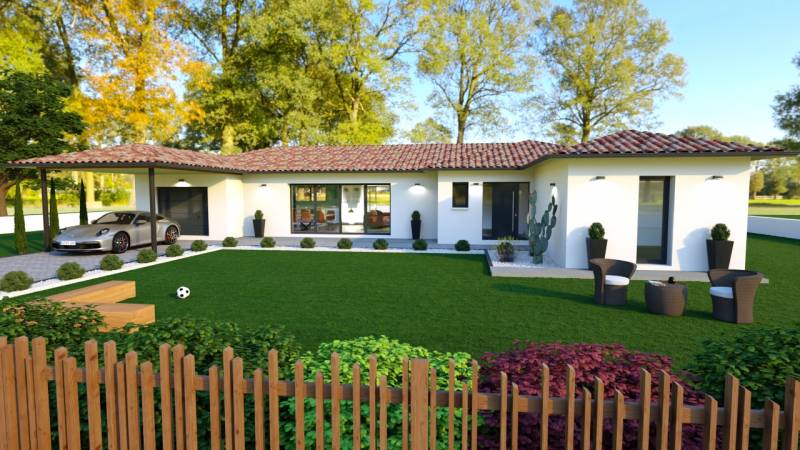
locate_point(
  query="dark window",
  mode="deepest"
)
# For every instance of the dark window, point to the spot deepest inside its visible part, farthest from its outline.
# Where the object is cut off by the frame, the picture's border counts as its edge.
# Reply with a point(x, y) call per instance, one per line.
point(460, 195)
point(652, 239)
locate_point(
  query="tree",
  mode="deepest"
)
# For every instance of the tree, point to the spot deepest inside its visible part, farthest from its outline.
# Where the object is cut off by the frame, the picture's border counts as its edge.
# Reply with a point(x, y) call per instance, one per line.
point(709, 132)
point(20, 237)
point(429, 131)
point(756, 182)
point(609, 65)
point(787, 108)
point(83, 214)
point(476, 54)
point(54, 225)
point(33, 123)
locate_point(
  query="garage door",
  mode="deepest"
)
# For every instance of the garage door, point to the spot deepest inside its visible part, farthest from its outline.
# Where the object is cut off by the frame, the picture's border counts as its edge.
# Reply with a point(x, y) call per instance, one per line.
point(186, 205)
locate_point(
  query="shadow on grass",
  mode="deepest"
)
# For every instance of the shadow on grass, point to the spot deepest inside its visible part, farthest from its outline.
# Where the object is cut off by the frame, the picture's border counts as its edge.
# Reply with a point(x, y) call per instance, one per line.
point(535, 291)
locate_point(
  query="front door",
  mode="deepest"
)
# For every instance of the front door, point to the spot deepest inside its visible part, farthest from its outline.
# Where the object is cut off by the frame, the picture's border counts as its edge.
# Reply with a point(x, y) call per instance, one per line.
point(186, 205)
point(505, 211)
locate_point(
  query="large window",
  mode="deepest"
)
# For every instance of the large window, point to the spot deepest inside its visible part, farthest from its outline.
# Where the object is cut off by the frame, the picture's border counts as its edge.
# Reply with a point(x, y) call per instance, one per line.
point(341, 208)
point(652, 236)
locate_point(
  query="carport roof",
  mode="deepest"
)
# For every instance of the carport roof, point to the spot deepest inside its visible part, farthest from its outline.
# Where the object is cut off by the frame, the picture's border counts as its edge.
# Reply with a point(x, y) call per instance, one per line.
point(398, 157)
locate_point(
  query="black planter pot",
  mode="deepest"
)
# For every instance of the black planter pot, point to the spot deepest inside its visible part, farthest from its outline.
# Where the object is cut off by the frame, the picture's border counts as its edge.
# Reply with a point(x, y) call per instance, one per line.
point(719, 253)
point(595, 248)
point(258, 227)
point(416, 226)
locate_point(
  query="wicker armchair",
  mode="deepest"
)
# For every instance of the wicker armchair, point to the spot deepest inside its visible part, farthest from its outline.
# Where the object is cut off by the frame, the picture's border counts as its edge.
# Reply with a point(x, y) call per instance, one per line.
point(613, 290)
point(733, 293)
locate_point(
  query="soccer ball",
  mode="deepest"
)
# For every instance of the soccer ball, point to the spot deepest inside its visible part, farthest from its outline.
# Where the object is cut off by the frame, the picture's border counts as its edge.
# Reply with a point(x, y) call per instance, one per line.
point(183, 292)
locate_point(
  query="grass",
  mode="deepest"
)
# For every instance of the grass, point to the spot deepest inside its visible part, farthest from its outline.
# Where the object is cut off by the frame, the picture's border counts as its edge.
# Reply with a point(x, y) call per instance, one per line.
point(782, 208)
point(445, 302)
point(7, 247)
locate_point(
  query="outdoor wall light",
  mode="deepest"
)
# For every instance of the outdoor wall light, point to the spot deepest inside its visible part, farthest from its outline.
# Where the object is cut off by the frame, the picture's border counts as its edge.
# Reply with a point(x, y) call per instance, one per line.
point(716, 177)
point(476, 184)
point(263, 185)
point(599, 177)
point(552, 185)
point(417, 188)
point(182, 183)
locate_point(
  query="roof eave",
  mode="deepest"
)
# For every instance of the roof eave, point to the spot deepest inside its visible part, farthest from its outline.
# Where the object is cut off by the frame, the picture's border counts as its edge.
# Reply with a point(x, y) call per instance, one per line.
point(126, 165)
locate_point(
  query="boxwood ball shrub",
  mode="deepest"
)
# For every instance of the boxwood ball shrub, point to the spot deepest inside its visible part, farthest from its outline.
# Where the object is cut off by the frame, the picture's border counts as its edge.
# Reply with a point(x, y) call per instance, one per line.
point(111, 262)
point(420, 245)
point(380, 244)
point(174, 250)
point(267, 242)
point(70, 271)
point(762, 359)
point(308, 242)
point(596, 231)
point(146, 255)
point(615, 365)
point(16, 280)
point(344, 244)
point(462, 246)
point(720, 232)
point(230, 241)
point(199, 245)
point(389, 354)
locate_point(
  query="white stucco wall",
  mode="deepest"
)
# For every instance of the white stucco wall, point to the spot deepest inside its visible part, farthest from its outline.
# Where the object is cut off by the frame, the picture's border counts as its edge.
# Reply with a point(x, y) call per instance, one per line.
point(697, 204)
point(274, 199)
point(553, 171)
point(225, 199)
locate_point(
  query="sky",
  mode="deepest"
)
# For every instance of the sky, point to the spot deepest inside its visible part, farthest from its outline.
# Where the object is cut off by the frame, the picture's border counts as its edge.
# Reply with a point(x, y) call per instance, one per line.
point(738, 55)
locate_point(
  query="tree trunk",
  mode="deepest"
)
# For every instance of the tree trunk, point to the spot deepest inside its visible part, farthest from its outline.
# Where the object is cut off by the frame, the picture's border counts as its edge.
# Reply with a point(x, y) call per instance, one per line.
point(462, 128)
point(586, 131)
point(3, 204)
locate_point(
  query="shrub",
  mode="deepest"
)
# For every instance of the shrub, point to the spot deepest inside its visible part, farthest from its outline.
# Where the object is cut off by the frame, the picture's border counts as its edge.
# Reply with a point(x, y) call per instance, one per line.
point(596, 231)
point(308, 242)
point(415, 215)
point(462, 246)
point(230, 241)
point(720, 232)
point(616, 366)
point(70, 271)
point(60, 325)
point(505, 250)
point(380, 244)
point(111, 262)
point(146, 255)
point(762, 359)
point(259, 215)
point(420, 244)
point(174, 250)
point(267, 242)
point(199, 245)
point(16, 280)
point(344, 244)
point(389, 354)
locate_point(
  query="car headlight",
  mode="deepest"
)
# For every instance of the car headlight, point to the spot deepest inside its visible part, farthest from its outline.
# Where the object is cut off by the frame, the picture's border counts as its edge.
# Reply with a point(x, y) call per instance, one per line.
point(102, 232)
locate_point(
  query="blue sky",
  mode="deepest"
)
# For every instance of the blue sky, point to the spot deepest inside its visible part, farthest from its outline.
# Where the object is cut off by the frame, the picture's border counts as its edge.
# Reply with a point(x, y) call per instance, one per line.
point(738, 55)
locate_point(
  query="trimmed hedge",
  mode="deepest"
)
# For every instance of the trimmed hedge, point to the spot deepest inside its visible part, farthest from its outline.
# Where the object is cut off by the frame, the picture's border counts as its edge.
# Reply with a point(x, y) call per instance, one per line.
point(462, 246)
point(230, 241)
point(70, 271)
point(380, 244)
point(267, 242)
point(16, 280)
point(308, 242)
point(615, 365)
point(199, 245)
point(344, 244)
point(420, 245)
point(174, 250)
point(111, 262)
point(146, 255)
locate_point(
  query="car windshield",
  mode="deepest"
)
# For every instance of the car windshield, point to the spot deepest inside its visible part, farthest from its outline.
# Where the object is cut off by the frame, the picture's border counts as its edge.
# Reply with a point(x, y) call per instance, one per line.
point(120, 218)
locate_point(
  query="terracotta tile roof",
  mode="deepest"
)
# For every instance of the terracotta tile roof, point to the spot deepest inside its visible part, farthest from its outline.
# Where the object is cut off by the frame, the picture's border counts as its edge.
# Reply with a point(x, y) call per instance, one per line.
point(646, 142)
point(396, 158)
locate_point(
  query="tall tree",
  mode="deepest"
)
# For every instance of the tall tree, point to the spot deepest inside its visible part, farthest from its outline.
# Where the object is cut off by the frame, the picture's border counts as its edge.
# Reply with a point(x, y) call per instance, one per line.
point(430, 131)
point(476, 53)
point(787, 112)
point(709, 132)
point(756, 182)
point(33, 123)
point(609, 64)
point(83, 212)
point(54, 222)
point(132, 66)
point(20, 237)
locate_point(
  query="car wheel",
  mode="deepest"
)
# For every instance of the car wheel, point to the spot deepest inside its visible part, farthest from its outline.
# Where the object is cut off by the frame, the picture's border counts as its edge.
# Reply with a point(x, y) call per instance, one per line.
point(172, 235)
point(120, 243)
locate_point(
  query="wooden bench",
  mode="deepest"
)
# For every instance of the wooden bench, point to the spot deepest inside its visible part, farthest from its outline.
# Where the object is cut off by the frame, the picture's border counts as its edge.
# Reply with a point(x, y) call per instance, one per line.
point(99, 294)
point(116, 315)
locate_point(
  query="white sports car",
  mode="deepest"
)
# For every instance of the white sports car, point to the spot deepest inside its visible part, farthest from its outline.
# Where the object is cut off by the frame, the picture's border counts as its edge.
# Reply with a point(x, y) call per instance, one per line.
point(116, 232)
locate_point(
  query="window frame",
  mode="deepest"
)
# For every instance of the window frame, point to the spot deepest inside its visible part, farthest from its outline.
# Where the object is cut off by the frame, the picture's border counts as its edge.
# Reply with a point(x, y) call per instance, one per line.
point(314, 186)
point(466, 195)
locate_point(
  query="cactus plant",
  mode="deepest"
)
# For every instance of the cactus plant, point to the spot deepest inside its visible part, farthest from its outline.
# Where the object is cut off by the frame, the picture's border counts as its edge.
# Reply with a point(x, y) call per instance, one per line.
point(539, 232)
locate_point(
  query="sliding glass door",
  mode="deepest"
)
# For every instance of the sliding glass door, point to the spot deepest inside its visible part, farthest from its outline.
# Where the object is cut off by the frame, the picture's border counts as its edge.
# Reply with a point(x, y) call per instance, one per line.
point(652, 239)
point(341, 208)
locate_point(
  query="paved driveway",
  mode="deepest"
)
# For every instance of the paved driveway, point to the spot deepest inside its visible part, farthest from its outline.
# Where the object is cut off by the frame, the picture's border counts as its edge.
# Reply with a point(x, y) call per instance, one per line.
point(41, 265)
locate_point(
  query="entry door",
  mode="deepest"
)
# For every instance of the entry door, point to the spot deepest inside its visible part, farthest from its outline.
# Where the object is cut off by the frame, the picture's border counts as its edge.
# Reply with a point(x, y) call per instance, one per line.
point(505, 212)
point(186, 205)
point(652, 240)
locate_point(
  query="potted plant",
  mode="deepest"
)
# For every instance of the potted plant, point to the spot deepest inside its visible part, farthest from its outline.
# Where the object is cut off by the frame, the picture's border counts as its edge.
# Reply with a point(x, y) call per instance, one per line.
point(596, 242)
point(416, 225)
point(719, 248)
point(258, 223)
point(505, 250)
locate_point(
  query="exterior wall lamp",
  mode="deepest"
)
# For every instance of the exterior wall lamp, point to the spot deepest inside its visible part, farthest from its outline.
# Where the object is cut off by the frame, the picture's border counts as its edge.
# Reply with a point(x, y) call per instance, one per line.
point(716, 177)
point(182, 183)
point(599, 177)
point(552, 185)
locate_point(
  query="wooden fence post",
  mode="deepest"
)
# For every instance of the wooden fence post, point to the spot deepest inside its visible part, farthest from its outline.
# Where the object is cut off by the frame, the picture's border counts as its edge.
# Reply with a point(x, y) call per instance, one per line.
point(791, 407)
point(41, 392)
point(731, 416)
point(419, 404)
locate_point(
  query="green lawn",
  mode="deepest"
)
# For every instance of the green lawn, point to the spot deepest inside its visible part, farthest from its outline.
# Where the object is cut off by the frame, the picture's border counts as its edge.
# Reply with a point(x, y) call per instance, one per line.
point(445, 302)
point(7, 247)
point(783, 208)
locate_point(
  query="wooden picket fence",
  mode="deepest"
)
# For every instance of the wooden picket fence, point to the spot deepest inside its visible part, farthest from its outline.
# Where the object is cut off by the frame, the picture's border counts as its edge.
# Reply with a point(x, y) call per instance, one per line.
point(129, 402)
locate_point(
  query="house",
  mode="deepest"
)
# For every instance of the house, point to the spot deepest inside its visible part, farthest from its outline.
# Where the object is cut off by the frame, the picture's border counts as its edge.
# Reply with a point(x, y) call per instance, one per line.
point(657, 195)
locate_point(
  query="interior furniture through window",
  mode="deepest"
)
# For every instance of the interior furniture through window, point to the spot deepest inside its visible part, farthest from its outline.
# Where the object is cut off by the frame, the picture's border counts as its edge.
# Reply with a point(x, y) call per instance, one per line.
point(341, 208)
